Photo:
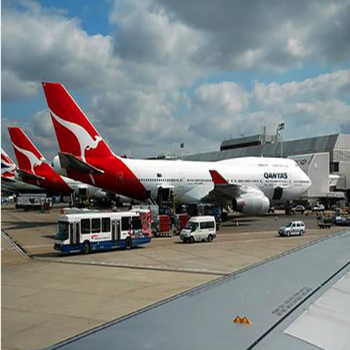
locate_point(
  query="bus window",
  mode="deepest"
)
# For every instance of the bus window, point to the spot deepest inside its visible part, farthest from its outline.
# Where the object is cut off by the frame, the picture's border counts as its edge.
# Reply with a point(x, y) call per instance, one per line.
point(106, 225)
point(85, 225)
point(96, 225)
point(125, 223)
point(136, 223)
point(62, 233)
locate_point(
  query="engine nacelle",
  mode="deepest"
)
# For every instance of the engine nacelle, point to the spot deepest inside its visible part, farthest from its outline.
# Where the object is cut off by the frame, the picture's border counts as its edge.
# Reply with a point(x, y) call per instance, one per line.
point(56, 164)
point(251, 204)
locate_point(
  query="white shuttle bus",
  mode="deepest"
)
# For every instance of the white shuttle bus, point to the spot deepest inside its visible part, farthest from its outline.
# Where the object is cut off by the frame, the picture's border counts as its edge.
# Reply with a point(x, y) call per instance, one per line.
point(87, 231)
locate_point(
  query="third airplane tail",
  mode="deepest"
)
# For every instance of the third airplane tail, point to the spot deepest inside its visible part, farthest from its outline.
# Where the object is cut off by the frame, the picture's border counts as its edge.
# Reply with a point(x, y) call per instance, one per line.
point(75, 134)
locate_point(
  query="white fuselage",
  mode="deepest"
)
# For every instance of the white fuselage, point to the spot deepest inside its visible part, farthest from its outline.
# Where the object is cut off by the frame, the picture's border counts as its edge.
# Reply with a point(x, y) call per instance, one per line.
point(192, 180)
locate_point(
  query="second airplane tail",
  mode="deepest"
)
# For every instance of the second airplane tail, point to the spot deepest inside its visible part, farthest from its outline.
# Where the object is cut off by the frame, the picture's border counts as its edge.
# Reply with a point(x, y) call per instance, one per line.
point(75, 133)
point(28, 156)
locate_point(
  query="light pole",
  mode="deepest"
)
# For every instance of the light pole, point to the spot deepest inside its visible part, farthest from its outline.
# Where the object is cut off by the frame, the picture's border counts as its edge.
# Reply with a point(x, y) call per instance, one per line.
point(281, 127)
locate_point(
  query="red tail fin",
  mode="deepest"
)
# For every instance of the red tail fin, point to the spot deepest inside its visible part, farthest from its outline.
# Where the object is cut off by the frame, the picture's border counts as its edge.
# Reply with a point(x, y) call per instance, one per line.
point(28, 156)
point(32, 164)
point(75, 134)
point(8, 167)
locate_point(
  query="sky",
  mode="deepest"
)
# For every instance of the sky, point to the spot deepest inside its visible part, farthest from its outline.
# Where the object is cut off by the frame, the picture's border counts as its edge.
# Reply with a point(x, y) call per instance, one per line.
point(152, 74)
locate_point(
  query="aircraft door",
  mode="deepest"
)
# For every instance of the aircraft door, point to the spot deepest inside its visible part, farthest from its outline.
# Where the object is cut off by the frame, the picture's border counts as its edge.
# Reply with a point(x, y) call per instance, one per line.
point(119, 178)
point(277, 194)
point(182, 179)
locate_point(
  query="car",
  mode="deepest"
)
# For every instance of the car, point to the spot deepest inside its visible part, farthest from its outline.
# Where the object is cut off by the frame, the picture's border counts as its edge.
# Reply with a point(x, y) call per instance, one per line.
point(299, 209)
point(292, 228)
point(318, 207)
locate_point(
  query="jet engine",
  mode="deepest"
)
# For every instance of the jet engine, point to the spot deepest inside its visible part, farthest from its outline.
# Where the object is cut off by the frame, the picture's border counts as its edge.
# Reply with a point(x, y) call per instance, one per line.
point(56, 164)
point(250, 203)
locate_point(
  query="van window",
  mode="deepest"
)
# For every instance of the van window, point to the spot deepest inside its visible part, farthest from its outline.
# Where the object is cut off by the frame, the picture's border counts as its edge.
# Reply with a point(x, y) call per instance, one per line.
point(85, 225)
point(96, 225)
point(106, 225)
point(207, 224)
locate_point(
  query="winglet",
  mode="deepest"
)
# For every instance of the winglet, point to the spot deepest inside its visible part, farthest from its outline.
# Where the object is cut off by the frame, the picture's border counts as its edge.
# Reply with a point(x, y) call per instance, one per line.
point(217, 178)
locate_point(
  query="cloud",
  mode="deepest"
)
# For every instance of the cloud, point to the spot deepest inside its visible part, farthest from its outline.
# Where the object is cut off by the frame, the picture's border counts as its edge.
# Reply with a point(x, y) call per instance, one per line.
point(147, 85)
point(39, 45)
point(273, 35)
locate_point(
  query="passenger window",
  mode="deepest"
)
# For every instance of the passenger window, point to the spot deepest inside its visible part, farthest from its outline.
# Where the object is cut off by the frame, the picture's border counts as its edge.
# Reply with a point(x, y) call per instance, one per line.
point(211, 224)
point(85, 226)
point(96, 225)
point(126, 223)
point(106, 225)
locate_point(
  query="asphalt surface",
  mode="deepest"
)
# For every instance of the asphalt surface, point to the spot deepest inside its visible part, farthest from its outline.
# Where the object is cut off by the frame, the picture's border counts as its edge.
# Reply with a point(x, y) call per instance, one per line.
point(203, 318)
point(49, 297)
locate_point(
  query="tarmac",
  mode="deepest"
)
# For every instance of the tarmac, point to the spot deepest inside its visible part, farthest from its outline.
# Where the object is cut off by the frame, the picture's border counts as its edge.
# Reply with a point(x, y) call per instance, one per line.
point(48, 298)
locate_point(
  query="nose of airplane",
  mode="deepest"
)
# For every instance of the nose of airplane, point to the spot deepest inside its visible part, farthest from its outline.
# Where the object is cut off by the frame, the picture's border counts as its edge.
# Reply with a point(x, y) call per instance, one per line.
point(307, 183)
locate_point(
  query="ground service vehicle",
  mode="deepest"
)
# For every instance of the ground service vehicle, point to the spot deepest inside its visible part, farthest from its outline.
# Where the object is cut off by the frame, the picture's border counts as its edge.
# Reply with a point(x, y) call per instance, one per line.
point(32, 201)
point(91, 231)
point(299, 209)
point(318, 207)
point(199, 228)
point(292, 228)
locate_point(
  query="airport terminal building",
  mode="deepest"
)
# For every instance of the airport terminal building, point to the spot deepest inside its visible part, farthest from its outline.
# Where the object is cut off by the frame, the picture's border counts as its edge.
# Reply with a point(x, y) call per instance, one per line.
point(326, 159)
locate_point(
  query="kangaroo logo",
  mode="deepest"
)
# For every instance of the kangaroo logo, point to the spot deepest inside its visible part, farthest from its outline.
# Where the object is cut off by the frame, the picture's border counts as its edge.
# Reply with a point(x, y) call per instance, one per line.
point(7, 165)
point(33, 159)
point(85, 140)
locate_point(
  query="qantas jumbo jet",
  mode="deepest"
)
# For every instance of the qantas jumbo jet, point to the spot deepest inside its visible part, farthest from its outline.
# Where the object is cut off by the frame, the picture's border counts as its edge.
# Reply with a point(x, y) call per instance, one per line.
point(9, 182)
point(35, 170)
point(248, 184)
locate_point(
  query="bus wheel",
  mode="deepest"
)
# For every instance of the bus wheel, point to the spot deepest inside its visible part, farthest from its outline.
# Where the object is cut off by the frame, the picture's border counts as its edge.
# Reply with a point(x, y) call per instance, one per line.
point(128, 243)
point(86, 247)
point(210, 238)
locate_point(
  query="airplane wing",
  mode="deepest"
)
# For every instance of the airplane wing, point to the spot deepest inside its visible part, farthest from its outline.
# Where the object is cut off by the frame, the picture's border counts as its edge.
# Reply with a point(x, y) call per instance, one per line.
point(69, 160)
point(224, 191)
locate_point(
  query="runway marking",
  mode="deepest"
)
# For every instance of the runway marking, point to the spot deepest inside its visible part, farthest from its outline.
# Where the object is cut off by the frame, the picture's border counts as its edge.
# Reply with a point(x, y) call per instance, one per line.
point(38, 246)
point(14, 246)
point(140, 267)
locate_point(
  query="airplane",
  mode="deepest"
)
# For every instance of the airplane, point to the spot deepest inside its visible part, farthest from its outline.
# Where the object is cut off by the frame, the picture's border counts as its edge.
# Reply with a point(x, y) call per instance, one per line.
point(35, 170)
point(9, 181)
point(247, 184)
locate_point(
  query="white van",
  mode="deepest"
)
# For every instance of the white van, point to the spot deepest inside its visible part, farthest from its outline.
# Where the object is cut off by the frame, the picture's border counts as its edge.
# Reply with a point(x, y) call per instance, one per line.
point(199, 228)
